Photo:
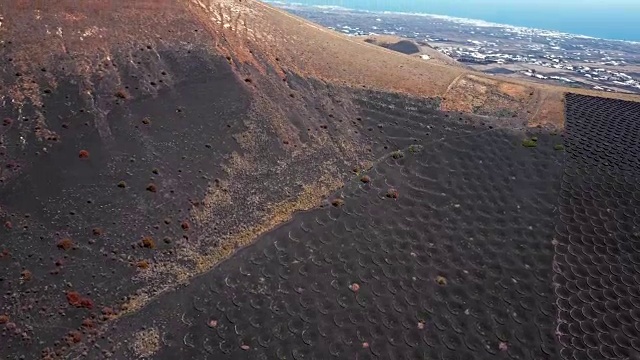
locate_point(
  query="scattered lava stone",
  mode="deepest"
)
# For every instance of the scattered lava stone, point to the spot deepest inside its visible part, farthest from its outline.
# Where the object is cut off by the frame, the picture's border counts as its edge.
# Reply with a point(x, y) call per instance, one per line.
point(337, 202)
point(122, 184)
point(74, 299)
point(86, 303)
point(26, 275)
point(65, 244)
point(74, 337)
point(146, 121)
point(97, 231)
point(441, 280)
point(88, 323)
point(392, 194)
point(8, 225)
point(148, 243)
point(365, 179)
point(152, 188)
point(84, 154)
point(121, 94)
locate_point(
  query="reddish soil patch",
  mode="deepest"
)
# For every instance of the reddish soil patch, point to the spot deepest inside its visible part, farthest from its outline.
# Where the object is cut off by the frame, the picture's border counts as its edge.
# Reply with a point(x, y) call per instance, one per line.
point(75, 299)
point(148, 243)
point(392, 193)
point(74, 337)
point(65, 244)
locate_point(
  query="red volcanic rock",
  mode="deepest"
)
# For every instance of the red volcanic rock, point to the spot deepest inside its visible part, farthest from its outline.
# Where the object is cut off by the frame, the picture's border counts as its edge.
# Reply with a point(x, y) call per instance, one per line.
point(75, 299)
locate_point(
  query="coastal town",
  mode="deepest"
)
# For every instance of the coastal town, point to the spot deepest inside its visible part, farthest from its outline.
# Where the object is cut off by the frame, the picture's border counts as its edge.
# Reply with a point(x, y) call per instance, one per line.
point(540, 55)
point(577, 68)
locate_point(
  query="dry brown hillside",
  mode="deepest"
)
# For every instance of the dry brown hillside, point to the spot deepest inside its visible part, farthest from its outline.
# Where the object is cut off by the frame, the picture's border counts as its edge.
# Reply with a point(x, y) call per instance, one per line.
point(315, 51)
point(263, 36)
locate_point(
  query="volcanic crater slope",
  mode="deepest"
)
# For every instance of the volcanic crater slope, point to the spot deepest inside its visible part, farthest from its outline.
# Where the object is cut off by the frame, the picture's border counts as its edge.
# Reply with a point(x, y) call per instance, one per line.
point(441, 248)
point(398, 208)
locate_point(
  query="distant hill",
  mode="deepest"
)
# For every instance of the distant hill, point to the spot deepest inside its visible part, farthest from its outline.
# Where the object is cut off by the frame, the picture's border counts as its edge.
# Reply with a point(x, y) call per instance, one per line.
point(411, 47)
point(407, 47)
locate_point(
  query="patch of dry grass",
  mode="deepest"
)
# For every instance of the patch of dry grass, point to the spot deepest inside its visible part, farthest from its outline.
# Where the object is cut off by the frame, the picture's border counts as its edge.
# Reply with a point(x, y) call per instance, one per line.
point(146, 342)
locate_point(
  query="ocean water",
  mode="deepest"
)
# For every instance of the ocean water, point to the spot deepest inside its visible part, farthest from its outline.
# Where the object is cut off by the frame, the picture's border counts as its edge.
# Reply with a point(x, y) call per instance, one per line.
point(611, 19)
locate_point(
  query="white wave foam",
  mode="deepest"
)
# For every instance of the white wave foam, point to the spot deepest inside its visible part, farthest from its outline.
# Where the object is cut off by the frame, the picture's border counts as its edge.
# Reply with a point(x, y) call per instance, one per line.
point(458, 20)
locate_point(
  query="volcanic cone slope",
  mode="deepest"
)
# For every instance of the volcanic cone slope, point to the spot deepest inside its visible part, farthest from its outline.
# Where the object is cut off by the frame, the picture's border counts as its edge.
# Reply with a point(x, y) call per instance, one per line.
point(440, 249)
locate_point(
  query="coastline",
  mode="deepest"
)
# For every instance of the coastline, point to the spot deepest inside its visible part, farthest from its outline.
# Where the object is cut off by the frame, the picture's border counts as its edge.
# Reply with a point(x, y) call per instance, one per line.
point(460, 20)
